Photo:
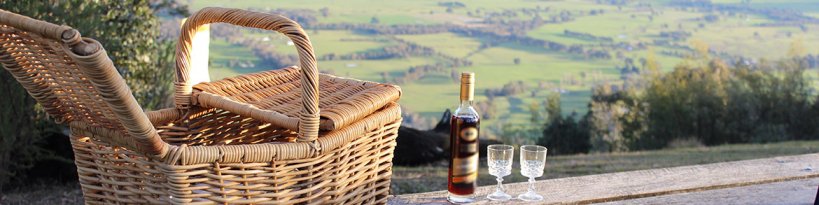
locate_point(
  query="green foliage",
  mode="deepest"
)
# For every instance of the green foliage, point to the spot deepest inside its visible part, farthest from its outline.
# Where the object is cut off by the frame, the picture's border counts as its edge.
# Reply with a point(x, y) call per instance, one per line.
point(128, 30)
point(711, 103)
point(517, 134)
point(19, 130)
point(564, 135)
point(536, 114)
point(553, 108)
point(615, 119)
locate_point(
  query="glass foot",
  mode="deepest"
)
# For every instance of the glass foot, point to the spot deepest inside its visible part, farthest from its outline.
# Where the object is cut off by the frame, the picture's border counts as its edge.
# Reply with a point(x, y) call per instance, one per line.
point(459, 199)
point(499, 196)
point(530, 196)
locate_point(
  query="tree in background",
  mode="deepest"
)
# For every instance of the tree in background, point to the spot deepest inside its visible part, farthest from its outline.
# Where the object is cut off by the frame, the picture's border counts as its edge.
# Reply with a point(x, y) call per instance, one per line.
point(128, 30)
point(553, 109)
point(709, 102)
point(325, 12)
point(563, 135)
point(615, 119)
point(21, 130)
point(687, 102)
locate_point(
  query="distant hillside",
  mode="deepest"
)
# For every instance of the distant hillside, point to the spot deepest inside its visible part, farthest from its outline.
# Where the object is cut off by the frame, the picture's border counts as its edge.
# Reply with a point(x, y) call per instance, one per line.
point(522, 51)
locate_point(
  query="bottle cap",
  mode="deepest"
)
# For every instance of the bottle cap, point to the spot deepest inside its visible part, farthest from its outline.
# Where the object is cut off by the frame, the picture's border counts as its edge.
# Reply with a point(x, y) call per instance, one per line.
point(467, 86)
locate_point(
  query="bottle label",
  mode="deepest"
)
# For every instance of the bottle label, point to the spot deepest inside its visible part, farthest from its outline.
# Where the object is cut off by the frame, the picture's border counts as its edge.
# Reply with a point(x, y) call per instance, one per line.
point(464, 166)
point(469, 134)
point(465, 179)
point(465, 169)
point(469, 148)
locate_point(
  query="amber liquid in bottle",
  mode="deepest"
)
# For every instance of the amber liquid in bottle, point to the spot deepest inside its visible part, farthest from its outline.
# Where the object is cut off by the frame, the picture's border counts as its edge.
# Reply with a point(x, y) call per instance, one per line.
point(463, 161)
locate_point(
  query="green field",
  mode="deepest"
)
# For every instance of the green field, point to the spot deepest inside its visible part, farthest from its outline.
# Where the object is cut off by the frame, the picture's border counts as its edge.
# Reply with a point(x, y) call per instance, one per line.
point(751, 35)
point(371, 69)
point(331, 41)
point(222, 52)
point(803, 5)
point(447, 43)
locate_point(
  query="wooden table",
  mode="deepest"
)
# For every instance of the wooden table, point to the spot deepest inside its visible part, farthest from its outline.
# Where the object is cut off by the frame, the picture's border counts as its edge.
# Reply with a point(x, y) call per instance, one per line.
point(760, 180)
point(801, 191)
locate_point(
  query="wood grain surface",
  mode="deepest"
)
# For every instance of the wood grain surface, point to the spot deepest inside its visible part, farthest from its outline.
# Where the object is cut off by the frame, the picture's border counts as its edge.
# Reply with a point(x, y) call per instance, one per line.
point(647, 183)
point(802, 191)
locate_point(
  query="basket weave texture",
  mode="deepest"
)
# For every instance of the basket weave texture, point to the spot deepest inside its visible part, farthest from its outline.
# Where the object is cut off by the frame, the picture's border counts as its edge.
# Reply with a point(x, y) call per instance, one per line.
point(286, 136)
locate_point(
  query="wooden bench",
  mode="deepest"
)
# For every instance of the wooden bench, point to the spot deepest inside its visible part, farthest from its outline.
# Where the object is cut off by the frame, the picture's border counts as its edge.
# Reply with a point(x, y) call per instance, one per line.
point(655, 183)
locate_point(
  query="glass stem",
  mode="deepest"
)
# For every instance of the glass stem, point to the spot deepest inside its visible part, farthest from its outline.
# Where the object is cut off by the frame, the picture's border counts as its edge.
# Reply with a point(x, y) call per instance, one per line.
point(500, 184)
point(531, 185)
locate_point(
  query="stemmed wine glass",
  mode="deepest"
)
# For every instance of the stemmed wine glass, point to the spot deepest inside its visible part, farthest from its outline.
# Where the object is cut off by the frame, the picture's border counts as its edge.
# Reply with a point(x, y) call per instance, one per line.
point(532, 162)
point(500, 165)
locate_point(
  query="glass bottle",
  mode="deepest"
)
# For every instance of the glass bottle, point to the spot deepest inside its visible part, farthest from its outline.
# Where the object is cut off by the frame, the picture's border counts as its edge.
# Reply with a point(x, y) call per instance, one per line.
point(463, 161)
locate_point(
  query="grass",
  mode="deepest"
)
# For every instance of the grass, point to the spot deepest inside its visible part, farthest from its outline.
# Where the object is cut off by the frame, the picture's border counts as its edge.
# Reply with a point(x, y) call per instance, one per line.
point(430, 99)
point(389, 12)
point(371, 69)
point(772, 42)
point(222, 52)
point(392, 12)
point(337, 42)
point(494, 67)
point(607, 25)
point(536, 64)
point(43, 193)
point(666, 62)
point(447, 43)
point(800, 5)
point(433, 177)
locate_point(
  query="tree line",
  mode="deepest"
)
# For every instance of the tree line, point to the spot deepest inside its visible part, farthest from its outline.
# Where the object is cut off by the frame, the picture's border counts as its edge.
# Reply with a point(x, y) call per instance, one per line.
point(586, 36)
point(707, 101)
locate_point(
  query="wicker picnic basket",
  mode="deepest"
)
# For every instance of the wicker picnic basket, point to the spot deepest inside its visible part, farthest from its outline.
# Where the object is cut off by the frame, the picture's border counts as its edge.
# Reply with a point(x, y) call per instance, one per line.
point(269, 137)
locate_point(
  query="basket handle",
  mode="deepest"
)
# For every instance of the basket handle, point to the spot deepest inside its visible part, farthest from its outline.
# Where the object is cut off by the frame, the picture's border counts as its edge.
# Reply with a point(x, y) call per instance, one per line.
point(309, 117)
point(98, 69)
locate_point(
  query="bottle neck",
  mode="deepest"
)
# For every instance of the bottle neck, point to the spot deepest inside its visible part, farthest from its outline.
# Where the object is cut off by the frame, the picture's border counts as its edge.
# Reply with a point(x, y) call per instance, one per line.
point(466, 103)
point(467, 93)
point(465, 108)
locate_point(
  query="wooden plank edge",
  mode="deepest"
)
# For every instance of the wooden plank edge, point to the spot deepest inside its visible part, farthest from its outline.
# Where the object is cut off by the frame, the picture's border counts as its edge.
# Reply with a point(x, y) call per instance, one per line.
point(698, 189)
point(781, 161)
